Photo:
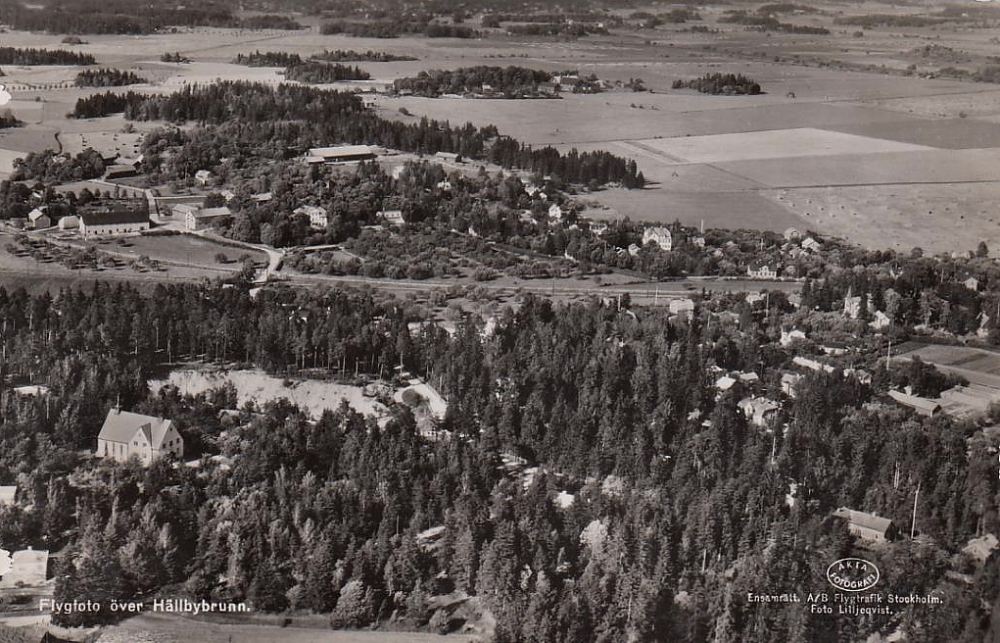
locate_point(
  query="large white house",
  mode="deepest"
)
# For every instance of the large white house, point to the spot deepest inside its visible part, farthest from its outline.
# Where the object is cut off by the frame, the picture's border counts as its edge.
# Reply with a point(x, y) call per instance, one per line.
point(660, 236)
point(317, 215)
point(127, 434)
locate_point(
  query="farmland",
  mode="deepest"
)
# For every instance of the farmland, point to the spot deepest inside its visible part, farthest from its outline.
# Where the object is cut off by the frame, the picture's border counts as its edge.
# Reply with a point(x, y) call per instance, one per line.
point(837, 110)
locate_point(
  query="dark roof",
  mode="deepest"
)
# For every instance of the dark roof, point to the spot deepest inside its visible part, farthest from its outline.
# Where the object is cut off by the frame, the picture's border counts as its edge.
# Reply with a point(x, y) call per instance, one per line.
point(115, 212)
point(864, 519)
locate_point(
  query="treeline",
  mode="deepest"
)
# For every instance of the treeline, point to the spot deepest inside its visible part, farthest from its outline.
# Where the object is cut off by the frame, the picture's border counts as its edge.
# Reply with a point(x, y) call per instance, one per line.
point(109, 16)
point(318, 73)
point(269, 21)
point(566, 29)
point(50, 167)
point(766, 22)
point(107, 78)
point(673, 17)
point(28, 56)
point(268, 59)
point(503, 80)
point(99, 105)
point(254, 119)
point(122, 17)
point(720, 84)
point(340, 55)
point(176, 57)
point(395, 29)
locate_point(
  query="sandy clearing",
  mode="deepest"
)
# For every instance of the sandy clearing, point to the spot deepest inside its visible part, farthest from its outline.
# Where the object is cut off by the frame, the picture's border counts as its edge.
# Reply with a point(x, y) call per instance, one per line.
point(255, 385)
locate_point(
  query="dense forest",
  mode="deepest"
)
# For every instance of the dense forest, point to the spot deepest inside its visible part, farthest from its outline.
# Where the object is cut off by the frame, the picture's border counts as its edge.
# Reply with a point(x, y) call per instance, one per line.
point(317, 73)
point(268, 59)
point(509, 81)
point(121, 17)
point(107, 78)
point(720, 84)
point(652, 511)
point(395, 29)
point(259, 120)
point(28, 56)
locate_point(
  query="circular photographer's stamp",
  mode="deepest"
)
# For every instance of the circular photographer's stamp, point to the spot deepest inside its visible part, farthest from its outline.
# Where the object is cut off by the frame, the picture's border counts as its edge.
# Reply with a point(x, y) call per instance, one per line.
point(852, 574)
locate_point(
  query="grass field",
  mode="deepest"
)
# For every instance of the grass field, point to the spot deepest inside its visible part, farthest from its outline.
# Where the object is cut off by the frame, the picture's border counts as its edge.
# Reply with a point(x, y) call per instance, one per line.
point(976, 365)
point(182, 248)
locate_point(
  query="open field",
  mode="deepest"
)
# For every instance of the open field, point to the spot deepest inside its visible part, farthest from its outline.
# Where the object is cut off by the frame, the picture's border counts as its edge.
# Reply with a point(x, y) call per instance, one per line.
point(182, 248)
point(979, 366)
point(770, 144)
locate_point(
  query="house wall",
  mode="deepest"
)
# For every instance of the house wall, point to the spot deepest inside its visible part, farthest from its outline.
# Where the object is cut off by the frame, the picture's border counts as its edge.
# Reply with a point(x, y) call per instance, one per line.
point(112, 229)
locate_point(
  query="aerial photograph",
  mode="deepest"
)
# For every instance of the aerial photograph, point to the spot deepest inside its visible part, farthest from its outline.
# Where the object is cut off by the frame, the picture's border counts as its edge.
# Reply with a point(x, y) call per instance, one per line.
point(499, 321)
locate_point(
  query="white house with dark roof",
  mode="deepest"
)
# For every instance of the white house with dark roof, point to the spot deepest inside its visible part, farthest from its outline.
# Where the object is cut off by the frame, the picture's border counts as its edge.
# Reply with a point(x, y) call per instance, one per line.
point(127, 434)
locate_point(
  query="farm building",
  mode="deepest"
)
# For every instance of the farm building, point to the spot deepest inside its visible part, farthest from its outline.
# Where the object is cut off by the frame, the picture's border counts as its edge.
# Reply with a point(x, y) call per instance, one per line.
point(202, 218)
point(38, 219)
point(921, 405)
point(317, 215)
point(341, 154)
point(113, 216)
point(660, 236)
point(450, 157)
point(120, 171)
point(181, 210)
point(865, 525)
point(69, 223)
point(126, 434)
point(261, 197)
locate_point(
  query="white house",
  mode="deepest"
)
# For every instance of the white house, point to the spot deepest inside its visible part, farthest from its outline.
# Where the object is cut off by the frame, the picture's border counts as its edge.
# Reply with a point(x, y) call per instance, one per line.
point(761, 270)
point(789, 337)
point(759, 411)
point(392, 217)
point(555, 212)
point(972, 283)
point(811, 244)
point(38, 218)
point(791, 234)
point(317, 215)
point(660, 236)
point(678, 306)
point(203, 177)
point(205, 217)
point(126, 434)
